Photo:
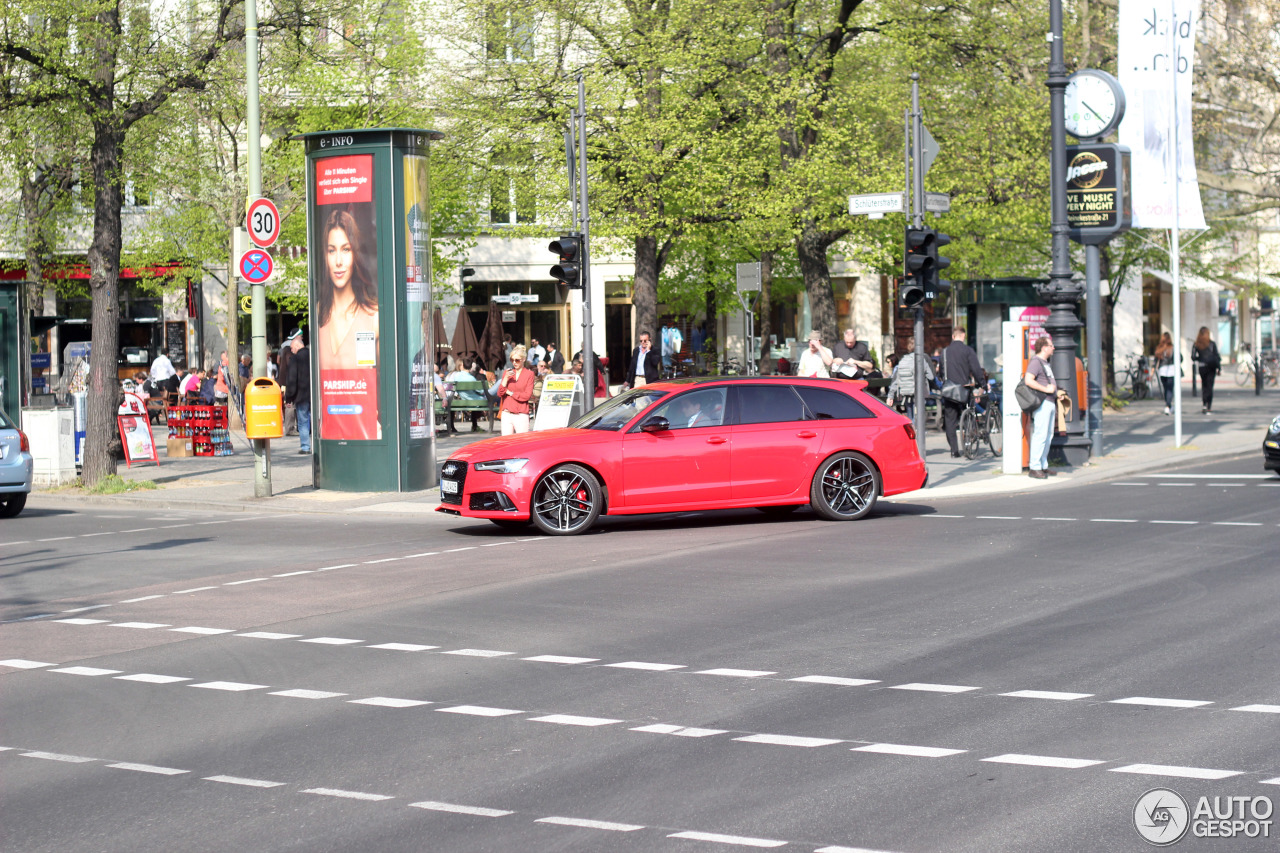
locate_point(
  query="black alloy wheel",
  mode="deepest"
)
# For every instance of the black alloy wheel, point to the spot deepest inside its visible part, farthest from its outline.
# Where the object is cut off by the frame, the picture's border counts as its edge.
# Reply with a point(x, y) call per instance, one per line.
point(845, 487)
point(11, 505)
point(566, 500)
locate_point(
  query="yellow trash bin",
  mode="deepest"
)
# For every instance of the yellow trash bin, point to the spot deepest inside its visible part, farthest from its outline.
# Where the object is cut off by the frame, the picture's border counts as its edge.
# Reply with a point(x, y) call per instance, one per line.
point(263, 409)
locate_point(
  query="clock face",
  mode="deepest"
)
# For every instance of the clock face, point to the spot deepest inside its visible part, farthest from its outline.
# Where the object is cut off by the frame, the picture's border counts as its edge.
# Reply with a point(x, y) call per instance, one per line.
point(1093, 104)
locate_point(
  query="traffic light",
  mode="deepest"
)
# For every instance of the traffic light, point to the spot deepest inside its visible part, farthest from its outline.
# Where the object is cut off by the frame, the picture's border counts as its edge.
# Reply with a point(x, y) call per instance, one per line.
point(568, 272)
point(911, 293)
point(934, 284)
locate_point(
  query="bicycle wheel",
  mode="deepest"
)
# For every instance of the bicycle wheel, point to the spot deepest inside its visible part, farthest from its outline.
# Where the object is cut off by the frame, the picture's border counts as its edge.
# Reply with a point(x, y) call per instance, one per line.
point(1244, 374)
point(995, 429)
point(1141, 390)
point(969, 433)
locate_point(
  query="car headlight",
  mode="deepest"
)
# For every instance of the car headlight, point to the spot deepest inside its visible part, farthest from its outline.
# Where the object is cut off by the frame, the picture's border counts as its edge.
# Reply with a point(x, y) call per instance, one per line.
point(502, 466)
point(1275, 424)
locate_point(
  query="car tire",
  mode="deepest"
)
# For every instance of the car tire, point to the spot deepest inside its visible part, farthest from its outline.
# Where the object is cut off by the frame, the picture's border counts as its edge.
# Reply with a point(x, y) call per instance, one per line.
point(511, 523)
point(779, 509)
point(566, 500)
point(845, 487)
point(11, 505)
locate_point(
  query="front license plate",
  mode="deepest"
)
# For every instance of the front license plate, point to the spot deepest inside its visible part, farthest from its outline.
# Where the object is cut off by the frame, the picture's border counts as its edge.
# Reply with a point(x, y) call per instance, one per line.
point(448, 487)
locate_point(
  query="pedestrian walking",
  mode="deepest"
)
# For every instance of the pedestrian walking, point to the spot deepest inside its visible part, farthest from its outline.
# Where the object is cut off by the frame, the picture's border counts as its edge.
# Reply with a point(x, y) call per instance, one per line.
point(959, 365)
point(282, 371)
point(1206, 354)
point(1040, 379)
point(1166, 369)
point(514, 392)
point(903, 386)
point(299, 389)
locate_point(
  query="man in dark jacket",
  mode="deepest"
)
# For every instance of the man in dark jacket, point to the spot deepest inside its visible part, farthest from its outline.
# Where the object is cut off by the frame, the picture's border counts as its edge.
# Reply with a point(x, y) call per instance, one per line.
point(645, 363)
point(555, 358)
point(963, 368)
point(282, 376)
point(298, 390)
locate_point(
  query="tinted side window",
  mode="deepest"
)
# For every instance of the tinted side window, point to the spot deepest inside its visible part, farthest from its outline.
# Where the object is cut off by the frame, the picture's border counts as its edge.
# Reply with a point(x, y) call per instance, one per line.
point(701, 408)
point(826, 404)
point(766, 404)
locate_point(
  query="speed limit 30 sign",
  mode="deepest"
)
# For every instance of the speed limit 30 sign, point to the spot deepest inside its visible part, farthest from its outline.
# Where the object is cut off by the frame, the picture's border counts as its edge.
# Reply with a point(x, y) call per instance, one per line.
point(263, 222)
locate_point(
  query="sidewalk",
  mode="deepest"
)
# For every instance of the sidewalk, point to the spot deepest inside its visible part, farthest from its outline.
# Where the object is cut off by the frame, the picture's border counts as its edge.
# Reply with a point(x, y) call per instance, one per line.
point(1136, 439)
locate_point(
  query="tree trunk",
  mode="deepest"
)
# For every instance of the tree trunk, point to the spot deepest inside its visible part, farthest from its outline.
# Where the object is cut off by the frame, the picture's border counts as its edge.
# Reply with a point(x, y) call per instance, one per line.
point(766, 310)
point(811, 246)
point(102, 439)
point(644, 293)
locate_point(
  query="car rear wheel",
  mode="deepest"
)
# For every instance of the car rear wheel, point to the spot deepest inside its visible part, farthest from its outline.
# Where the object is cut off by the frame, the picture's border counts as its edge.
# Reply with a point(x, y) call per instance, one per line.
point(845, 487)
point(11, 505)
point(566, 500)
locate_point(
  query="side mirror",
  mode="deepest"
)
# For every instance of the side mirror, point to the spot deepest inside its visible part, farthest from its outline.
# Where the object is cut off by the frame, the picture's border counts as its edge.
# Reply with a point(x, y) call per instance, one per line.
point(657, 423)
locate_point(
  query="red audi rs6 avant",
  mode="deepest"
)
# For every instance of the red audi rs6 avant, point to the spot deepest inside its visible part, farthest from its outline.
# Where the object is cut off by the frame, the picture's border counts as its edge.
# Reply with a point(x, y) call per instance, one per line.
point(771, 442)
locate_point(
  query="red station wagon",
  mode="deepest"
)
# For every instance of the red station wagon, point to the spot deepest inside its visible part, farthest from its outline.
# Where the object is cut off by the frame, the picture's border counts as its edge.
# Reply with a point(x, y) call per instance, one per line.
point(771, 442)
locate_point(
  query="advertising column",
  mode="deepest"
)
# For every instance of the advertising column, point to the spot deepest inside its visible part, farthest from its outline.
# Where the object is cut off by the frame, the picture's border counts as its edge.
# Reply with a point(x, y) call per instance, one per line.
point(418, 305)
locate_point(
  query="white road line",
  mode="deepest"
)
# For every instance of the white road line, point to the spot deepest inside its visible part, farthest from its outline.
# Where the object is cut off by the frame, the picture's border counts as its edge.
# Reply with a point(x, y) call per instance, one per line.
point(148, 768)
point(268, 635)
point(478, 653)
point(1000, 517)
point(590, 824)
point(436, 553)
point(81, 621)
point(831, 679)
point(940, 515)
point(403, 647)
point(456, 550)
point(1275, 781)
point(331, 641)
point(478, 811)
point(652, 667)
point(250, 580)
point(194, 589)
point(332, 568)
point(388, 702)
point(1053, 518)
point(1116, 520)
point(1161, 703)
point(559, 659)
point(84, 609)
point(1259, 709)
point(232, 686)
point(1235, 485)
point(678, 731)
point(571, 720)
point(1175, 484)
point(86, 670)
point(136, 530)
point(1205, 476)
point(18, 542)
point(174, 526)
point(479, 711)
point(103, 533)
point(294, 574)
point(19, 663)
point(224, 521)
point(306, 694)
point(1181, 772)
point(349, 795)
point(1043, 761)
point(739, 840)
point(30, 618)
point(59, 538)
point(1130, 484)
point(240, 780)
point(736, 673)
point(1175, 522)
point(151, 678)
point(906, 749)
point(789, 740)
point(197, 630)
point(142, 625)
point(1269, 485)
point(55, 756)
point(933, 688)
point(1046, 694)
point(495, 544)
point(383, 560)
point(1238, 523)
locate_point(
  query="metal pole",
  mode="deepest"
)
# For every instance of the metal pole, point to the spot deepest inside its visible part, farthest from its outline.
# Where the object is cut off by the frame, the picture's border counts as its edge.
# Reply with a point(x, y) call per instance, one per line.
point(570, 158)
point(915, 191)
point(1174, 253)
point(588, 355)
point(258, 306)
point(1093, 330)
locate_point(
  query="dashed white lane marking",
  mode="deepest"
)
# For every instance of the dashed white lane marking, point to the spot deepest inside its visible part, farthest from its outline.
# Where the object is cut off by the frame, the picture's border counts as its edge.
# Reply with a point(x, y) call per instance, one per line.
point(194, 589)
point(559, 659)
point(436, 553)
point(388, 702)
point(141, 625)
point(736, 673)
point(789, 740)
point(907, 749)
point(652, 667)
point(1226, 485)
point(349, 795)
point(1131, 484)
point(1161, 703)
point(86, 670)
point(1175, 484)
point(571, 720)
point(335, 568)
point(383, 560)
point(1116, 520)
point(294, 574)
point(1174, 522)
point(590, 824)
point(1275, 781)
point(207, 631)
point(1181, 772)
point(1259, 709)
point(1206, 476)
point(1000, 517)
point(240, 780)
point(403, 647)
point(85, 609)
point(456, 550)
point(933, 688)
point(307, 694)
point(679, 731)
point(479, 711)
point(19, 663)
point(151, 678)
point(331, 641)
point(268, 635)
point(1051, 518)
point(1047, 694)
point(940, 515)
point(1237, 523)
point(83, 621)
point(250, 580)
point(18, 542)
point(478, 811)
point(148, 768)
point(478, 653)
point(57, 756)
point(831, 679)
point(1043, 761)
point(738, 840)
point(55, 539)
point(232, 686)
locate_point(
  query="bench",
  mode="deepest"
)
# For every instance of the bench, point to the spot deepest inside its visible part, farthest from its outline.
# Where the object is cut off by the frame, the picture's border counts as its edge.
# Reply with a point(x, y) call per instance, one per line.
point(458, 404)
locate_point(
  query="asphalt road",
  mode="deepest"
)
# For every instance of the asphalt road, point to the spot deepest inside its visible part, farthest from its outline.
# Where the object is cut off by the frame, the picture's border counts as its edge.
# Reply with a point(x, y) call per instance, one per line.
point(1009, 673)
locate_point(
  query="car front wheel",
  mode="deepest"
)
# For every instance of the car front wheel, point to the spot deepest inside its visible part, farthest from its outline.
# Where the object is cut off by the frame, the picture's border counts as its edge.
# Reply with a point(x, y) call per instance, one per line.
point(845, 487)
point(566, 500)
point(11, 505)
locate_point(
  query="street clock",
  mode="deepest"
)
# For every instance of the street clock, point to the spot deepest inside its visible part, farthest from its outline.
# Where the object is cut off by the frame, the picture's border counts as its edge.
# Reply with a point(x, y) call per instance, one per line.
point(1093, 104)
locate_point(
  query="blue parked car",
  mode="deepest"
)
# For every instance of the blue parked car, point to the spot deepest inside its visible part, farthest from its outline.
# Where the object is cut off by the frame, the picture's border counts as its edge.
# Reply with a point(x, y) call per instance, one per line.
point(15, 467)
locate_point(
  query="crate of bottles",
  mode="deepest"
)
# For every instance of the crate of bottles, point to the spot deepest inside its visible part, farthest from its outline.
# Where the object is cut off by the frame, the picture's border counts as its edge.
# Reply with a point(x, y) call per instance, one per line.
point(205, 427)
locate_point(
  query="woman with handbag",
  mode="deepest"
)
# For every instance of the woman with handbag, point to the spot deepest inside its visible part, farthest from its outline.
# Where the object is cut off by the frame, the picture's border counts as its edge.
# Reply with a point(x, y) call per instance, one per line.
point(1205, 352)
point(1040, 379)
point(1166, 369)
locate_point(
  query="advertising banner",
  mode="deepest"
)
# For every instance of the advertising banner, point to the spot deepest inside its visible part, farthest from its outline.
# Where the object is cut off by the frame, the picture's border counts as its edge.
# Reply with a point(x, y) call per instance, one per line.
point(1153, 41)
point(1098, 191)
point(417, 292)
point(346, 308)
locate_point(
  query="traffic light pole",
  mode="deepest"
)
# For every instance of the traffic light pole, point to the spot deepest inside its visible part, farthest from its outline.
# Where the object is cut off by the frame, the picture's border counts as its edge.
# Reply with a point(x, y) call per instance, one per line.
point(588, 354)
point(915, 182)
point(258, 304)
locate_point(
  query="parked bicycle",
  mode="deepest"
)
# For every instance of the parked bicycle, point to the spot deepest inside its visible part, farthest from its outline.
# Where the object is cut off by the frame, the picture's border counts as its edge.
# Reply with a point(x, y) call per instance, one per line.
point(1134, 382)
point(1246, 366)
point(981, 423)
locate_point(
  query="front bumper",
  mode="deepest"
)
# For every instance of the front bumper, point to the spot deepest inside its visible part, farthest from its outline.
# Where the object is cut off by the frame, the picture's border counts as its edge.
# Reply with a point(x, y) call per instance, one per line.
point(485, 494)
point(1271, 452)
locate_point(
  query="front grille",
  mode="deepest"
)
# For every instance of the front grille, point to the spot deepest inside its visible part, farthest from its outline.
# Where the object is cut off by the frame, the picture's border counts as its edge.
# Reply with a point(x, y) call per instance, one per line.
point(456, 472)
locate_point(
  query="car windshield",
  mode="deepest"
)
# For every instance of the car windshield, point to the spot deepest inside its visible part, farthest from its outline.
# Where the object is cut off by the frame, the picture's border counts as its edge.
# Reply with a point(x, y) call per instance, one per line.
point(619, 411)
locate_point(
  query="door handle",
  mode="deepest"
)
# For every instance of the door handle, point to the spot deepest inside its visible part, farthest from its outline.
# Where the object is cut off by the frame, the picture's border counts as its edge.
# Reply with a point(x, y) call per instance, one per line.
point(804, 433)
point(715, 439)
